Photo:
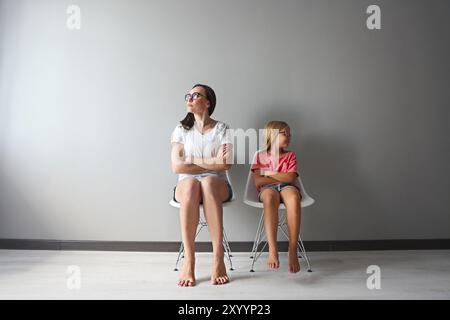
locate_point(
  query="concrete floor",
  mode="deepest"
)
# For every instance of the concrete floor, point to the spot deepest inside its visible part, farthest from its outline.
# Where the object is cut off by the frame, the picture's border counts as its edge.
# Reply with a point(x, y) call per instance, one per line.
point(141, 275)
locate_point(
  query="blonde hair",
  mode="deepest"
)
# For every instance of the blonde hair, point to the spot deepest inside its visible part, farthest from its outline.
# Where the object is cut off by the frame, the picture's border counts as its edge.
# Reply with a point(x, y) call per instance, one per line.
point(269, 134)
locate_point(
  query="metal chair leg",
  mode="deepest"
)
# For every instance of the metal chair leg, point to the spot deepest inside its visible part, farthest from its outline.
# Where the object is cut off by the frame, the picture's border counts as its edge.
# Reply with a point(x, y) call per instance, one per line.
point(228, 253)
point(226, 246)
point(257, 235)
point(255, 246)
point(304, 253)
point(260, 236)
point(257, 254)
point(225, 237)
point(179, 255)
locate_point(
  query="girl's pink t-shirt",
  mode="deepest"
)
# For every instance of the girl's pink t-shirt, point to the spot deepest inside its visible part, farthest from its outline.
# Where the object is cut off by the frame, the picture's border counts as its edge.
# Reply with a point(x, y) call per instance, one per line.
point(287, 162)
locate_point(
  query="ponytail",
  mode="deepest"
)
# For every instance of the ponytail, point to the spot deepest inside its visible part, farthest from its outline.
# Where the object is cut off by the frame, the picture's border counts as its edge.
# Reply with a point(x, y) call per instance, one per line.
point(188, 121)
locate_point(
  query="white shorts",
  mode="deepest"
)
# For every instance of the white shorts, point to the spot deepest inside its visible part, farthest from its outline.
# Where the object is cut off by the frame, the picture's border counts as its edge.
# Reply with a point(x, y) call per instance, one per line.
point(200, 176)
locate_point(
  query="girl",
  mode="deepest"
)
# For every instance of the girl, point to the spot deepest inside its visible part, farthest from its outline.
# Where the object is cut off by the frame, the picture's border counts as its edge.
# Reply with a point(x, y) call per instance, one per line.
point(275, 173)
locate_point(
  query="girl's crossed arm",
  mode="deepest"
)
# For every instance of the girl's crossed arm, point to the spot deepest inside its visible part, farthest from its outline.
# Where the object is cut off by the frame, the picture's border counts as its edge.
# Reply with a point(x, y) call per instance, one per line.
point(261, 180)
point(286, 177)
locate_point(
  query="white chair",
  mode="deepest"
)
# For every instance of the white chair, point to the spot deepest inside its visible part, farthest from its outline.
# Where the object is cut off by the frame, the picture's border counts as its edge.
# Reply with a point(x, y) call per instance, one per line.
point(251, 199)
point(202, 223)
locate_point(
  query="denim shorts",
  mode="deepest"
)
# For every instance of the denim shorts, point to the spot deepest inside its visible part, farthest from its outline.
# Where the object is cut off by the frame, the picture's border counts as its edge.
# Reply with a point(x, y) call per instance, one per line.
point(230, 193)
point(278, 187)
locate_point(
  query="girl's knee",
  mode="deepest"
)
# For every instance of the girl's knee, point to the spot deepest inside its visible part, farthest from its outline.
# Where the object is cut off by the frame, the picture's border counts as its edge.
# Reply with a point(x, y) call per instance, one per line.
point(270, 197)
point(291, 194)
point(292, 206)
point(292, 202)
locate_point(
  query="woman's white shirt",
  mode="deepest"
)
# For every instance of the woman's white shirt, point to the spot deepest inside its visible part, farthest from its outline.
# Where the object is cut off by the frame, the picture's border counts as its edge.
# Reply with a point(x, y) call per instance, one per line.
point(200, 145)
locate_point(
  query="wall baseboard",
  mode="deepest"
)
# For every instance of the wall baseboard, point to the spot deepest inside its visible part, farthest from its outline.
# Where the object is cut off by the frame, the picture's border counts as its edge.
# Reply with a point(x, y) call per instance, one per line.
point(237, 246)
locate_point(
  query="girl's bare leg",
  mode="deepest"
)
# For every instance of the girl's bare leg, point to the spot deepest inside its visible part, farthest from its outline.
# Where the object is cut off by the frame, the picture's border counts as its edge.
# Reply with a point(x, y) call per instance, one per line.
point(188, 193)
point(271, 201)
point(291, 199)
point(214, 193)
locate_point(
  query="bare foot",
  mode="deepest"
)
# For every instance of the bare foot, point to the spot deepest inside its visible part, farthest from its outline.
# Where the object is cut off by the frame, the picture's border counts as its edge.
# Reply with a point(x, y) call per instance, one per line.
point(187, 276)
point(219, 273)
point(294, 265)
point(273, 261)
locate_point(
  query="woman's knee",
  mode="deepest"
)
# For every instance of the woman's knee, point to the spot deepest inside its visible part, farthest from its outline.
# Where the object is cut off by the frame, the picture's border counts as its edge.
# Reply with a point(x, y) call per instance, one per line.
point(190, 190)
point(211, 186)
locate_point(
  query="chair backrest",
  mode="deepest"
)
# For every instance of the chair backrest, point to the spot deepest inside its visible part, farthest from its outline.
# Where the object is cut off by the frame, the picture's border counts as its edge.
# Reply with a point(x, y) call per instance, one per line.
point(251, 193)
point(233, 198)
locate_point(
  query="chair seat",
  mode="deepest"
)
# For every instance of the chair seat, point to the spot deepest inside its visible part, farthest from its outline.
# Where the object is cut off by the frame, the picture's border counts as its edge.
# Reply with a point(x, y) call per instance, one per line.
point(177, 204)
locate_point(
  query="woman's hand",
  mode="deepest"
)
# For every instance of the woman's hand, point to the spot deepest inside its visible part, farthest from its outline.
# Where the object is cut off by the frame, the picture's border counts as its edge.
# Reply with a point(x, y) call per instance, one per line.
point(223, 156)
point(222, 161)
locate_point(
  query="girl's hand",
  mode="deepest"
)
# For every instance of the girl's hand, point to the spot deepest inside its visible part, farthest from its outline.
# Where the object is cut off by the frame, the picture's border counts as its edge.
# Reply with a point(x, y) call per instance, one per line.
point(260, 184)
point(268, 173)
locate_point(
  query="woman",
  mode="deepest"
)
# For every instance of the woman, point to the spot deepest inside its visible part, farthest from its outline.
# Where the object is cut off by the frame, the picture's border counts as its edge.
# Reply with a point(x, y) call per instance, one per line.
point(201, 153)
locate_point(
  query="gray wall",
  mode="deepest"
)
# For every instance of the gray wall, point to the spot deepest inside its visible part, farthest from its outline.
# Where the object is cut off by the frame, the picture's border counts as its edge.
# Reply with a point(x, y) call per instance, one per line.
point(86, 116)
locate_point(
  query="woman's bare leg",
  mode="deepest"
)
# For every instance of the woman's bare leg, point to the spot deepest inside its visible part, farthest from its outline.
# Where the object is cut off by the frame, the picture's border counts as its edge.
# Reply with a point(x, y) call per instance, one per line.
point(188, 193)
point(291, 199)
point(271, 201)
point(214, 193)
